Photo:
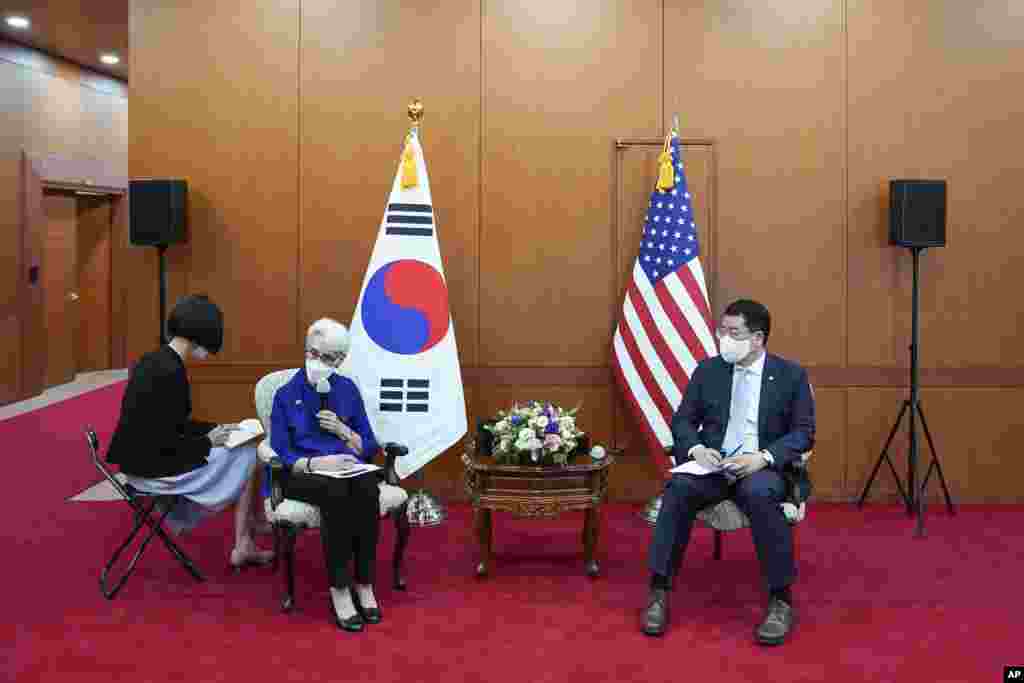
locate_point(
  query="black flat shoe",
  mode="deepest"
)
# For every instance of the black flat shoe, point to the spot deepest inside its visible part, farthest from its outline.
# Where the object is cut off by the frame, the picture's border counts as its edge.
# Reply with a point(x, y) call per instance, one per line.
point(371, 615)
point(352, 624)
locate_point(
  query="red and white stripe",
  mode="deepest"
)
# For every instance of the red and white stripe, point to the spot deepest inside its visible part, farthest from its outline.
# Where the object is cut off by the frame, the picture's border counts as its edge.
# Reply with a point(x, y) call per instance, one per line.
point(665, 330)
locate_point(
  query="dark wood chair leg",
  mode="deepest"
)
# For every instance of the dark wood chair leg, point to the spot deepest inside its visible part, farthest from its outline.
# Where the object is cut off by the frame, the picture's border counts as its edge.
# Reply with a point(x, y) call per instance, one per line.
point(401, 541)
point(718, 544)
point(290, 534)
point(591, 535)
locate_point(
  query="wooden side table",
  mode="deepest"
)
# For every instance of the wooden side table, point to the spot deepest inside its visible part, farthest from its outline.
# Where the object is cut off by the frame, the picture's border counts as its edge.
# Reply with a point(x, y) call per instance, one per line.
point(537, 492)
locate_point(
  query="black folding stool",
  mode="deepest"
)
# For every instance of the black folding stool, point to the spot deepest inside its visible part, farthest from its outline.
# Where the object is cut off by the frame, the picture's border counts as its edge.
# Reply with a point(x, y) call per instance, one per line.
point(143, 506)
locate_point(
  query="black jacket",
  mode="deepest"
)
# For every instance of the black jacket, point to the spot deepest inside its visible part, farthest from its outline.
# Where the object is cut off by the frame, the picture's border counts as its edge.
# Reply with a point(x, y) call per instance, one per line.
point(155, 436)
point(785, 423)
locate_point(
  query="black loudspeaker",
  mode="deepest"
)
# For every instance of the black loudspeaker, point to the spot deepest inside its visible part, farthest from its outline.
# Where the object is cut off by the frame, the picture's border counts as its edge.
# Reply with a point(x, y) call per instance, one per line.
point(157, 210)
point(917, 213)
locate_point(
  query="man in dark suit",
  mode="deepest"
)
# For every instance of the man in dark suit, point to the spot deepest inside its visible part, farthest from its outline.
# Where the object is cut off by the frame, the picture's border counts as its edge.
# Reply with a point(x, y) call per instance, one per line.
point(746, 416)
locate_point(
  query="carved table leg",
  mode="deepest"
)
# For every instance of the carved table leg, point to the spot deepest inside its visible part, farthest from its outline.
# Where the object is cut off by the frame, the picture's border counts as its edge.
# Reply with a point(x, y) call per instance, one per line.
point(591, 533)
point(483, 530)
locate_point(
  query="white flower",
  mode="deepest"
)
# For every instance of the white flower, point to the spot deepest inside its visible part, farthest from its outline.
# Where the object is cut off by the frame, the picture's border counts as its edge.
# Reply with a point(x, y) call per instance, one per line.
point(504, 444)
point(570, 444)
point(501, 425)
point(542, 421)
point(567, 422)
point(525, 434)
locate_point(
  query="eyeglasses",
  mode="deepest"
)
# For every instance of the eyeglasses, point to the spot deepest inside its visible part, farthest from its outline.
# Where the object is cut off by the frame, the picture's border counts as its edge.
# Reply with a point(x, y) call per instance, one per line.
point(332, 359)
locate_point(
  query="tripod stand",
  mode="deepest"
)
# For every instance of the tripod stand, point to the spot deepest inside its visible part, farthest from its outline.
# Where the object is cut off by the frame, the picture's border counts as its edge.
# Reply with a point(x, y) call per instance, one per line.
point(913, 498)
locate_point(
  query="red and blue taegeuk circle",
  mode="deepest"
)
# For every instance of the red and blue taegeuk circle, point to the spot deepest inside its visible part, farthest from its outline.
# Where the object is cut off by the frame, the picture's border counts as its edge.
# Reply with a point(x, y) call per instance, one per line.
point(405, 307)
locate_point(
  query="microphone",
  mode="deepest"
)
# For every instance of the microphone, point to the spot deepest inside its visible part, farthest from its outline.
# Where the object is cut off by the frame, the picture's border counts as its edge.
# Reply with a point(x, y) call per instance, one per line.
point(323, 388)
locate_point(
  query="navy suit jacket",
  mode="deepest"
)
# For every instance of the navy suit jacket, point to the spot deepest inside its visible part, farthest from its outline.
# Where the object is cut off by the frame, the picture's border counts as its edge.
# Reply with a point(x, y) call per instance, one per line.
point(785, 419)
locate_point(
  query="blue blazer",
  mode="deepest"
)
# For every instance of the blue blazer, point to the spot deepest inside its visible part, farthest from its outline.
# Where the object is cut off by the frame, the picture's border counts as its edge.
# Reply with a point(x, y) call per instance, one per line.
point(785, 419)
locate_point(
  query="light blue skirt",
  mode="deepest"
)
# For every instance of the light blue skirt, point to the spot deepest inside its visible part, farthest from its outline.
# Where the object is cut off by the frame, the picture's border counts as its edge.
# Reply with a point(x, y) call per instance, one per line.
point(205, 490)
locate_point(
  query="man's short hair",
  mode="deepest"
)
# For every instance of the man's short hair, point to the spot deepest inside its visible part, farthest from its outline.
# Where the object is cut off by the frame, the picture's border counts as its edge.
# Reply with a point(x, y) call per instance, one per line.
point(198, 320)
point(755, 315)
point(328, 335)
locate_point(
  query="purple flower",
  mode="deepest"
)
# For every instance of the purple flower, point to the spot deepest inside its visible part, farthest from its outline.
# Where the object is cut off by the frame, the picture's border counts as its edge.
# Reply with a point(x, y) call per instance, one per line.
point(516, 419)
point(552, 427)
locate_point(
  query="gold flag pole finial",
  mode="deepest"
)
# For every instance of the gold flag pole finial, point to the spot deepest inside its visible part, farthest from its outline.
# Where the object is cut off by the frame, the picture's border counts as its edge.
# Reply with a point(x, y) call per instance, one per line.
point(410, 176)
point(667, 174)
point(415, 110)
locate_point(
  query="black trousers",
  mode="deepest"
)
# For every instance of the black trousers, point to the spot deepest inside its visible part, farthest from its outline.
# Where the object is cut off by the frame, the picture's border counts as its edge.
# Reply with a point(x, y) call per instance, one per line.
point(349, 522)
point(758, 495)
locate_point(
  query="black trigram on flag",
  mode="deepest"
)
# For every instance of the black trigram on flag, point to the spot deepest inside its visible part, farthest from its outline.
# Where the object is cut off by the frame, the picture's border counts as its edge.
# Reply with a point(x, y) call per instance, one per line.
point(404, 395)
point(410, 220)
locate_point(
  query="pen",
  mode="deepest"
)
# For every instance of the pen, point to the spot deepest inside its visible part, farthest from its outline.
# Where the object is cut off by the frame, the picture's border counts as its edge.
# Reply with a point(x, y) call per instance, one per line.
point(735, 450)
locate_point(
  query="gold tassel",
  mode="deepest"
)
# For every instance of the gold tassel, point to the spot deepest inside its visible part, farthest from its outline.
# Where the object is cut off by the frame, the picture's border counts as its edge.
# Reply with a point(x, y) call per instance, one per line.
point(409, 178)
point(666, 174)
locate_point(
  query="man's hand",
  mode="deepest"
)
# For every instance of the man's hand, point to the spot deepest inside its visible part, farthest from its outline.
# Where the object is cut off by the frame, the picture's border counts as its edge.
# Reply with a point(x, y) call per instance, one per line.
point(706, 457)
point(219, 435)
point(744, 465)
point(330, 422)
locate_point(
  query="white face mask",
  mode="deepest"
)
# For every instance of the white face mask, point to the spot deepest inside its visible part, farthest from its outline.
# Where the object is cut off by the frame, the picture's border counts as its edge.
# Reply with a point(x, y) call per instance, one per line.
point(733, 351)
point(199, 353)
point(317, 371)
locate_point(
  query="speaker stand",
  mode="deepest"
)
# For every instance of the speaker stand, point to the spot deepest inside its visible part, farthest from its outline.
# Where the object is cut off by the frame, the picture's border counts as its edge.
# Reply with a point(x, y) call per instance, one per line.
point(913, 498)
point(162, 256)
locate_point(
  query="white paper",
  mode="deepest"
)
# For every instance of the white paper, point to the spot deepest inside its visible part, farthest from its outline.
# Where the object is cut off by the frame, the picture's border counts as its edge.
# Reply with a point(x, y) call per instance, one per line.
point(246, 432)
point(692, 467)
point(353, 471)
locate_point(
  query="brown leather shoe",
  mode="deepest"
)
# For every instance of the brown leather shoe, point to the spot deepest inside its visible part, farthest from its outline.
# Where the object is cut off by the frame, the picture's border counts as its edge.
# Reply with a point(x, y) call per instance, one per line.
point(777, 623)
point(655, 618)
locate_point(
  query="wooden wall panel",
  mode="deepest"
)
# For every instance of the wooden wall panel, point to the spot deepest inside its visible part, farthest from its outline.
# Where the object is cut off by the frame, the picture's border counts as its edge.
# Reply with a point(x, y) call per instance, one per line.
point(13, 97)
point(361, 63)
point(562, 79)
point(765, 81)
point(828, 464)
point(232, 132)
point(104, 121)
point(972, 428)
point(936, 91)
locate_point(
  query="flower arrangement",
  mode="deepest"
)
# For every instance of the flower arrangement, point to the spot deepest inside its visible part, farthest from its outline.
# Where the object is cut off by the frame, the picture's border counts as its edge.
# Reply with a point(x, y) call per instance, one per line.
point(535, 433)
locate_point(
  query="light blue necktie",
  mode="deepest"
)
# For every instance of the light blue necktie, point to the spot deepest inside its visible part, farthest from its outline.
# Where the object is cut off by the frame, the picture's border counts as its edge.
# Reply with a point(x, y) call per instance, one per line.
point(738, 410)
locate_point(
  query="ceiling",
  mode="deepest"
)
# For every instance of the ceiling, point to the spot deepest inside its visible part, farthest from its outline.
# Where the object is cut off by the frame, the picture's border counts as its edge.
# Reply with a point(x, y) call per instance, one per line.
point(74, 29)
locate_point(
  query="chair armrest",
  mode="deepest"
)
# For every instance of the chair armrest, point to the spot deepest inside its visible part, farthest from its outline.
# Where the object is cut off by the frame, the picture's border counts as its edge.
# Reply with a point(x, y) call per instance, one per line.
point(798, 480)
point(392, 451)
point(278, 472)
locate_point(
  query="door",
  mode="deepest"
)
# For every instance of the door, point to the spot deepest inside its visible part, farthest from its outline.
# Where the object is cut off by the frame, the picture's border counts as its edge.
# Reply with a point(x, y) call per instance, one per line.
point(60, 309)
point(92, 338)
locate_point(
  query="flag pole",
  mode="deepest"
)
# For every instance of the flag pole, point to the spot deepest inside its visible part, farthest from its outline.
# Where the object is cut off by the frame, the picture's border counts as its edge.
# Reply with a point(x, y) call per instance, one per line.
point(653, 506)
point(422, 508)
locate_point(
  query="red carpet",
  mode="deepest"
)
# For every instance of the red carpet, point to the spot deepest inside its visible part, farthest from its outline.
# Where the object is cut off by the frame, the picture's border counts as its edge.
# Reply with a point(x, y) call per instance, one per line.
point(875, 604)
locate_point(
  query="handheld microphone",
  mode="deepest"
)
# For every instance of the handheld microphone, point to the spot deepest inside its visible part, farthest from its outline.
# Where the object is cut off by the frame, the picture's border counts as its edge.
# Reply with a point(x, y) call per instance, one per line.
point(323, 388)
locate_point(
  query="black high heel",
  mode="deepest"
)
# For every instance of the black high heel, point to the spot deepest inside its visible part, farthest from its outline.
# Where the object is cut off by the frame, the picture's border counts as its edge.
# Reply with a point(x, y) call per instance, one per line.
point(371, 615)
point(352, 624)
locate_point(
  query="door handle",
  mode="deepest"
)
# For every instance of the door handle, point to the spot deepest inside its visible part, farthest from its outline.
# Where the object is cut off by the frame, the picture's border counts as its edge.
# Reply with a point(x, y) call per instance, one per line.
point(72, 296)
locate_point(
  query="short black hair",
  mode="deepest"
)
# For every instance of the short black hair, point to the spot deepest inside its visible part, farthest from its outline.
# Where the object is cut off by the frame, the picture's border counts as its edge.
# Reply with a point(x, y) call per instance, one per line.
point(198, 320)
point(755, 315)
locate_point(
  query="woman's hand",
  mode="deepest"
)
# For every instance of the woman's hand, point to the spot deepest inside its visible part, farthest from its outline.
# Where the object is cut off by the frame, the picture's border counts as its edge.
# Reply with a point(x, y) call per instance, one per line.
point(219, 435)
point(330, 422)
point(334, 463)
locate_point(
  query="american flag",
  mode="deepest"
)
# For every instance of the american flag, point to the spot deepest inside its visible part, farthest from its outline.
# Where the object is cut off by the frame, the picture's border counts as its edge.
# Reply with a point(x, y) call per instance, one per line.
point(665, 328)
